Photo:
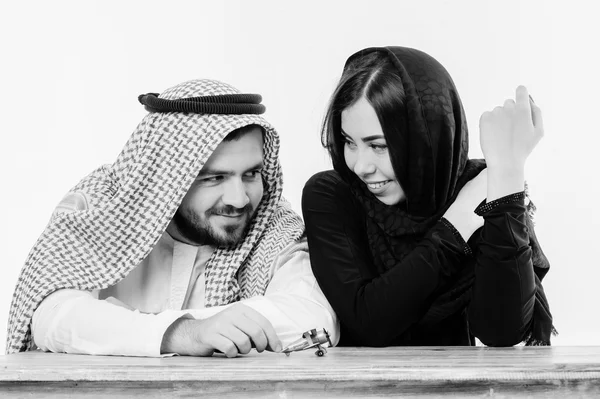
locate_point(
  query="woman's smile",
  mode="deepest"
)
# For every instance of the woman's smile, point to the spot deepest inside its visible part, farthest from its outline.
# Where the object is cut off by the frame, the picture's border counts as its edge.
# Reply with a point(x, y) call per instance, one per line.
point(378, 187)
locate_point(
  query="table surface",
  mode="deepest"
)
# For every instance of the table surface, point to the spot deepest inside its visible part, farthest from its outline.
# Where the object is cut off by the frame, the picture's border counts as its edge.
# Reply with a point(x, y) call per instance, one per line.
point(342, 372)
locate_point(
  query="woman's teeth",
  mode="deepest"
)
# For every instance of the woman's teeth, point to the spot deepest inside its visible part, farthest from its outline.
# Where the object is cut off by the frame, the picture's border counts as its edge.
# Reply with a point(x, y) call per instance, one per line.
point(375, 186)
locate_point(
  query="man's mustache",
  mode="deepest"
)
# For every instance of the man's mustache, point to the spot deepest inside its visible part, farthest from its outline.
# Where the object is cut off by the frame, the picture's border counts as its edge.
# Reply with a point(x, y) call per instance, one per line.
point(230, 210)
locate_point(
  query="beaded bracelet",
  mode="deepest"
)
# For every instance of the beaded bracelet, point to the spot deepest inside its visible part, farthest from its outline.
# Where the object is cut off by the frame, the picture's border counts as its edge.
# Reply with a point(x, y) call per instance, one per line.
point(466, 248)
point(508, 199)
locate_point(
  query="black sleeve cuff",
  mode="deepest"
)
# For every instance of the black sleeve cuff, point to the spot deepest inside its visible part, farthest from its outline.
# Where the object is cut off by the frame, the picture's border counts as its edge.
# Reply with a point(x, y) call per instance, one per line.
point(465, 247)
point(515, 198)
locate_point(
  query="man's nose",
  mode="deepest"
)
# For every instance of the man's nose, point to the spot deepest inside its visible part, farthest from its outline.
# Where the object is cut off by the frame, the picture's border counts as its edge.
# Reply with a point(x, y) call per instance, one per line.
point(234, 194)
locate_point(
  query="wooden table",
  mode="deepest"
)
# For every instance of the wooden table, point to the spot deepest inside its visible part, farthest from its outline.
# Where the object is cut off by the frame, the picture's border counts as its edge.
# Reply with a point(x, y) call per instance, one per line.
point(342, 372)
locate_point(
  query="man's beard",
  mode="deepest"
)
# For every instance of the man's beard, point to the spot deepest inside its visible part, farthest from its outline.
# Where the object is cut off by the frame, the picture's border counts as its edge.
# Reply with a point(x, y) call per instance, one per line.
point(201, 232)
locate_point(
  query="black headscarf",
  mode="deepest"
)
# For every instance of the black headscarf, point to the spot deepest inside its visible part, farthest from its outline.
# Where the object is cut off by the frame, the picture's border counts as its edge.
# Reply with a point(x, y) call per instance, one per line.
point(430, 160)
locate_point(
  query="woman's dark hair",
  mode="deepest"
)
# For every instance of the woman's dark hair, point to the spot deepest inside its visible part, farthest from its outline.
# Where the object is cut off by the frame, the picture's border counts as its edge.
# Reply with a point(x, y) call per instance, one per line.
point(374, 77)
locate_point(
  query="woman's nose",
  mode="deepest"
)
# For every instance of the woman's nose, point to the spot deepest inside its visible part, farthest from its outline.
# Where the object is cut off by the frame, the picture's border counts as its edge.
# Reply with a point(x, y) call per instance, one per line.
point(364, 165)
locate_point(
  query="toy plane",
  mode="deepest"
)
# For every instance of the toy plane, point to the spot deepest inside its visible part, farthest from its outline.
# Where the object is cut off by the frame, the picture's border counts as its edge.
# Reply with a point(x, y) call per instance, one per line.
point(310, 339)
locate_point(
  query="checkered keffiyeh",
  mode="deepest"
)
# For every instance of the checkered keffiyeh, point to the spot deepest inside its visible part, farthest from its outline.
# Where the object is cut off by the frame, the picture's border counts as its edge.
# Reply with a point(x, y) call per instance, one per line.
point(109, 222)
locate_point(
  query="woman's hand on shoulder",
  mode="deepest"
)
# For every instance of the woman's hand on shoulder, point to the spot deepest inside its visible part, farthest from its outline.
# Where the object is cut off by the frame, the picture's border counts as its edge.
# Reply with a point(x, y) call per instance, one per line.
point(510, 132)
point(462, 211)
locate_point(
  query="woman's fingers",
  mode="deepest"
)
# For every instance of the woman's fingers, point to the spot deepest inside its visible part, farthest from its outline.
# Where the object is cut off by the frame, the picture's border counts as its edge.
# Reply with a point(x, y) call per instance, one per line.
point(509, 103)
point(536, 114)
point(522, 98)
point(510, 132)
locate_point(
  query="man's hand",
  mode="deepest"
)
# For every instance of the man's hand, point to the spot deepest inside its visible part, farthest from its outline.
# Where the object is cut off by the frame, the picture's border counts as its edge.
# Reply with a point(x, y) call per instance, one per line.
point(236, 330)
point(509, 133)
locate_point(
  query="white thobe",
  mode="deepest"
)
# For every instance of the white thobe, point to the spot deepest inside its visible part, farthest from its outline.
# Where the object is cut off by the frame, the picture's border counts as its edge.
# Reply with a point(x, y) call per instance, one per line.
point(131, 317)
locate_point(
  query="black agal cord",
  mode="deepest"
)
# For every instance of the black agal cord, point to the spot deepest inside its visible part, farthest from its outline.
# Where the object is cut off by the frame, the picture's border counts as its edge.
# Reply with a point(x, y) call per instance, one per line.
point(221, 104)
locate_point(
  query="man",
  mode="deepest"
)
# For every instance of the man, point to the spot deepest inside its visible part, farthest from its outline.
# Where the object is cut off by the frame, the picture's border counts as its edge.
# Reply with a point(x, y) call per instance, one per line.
point(183, 245)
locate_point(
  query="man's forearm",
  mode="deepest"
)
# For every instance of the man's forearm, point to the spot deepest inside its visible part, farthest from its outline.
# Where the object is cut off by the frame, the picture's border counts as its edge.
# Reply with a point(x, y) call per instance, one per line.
point(72, 321)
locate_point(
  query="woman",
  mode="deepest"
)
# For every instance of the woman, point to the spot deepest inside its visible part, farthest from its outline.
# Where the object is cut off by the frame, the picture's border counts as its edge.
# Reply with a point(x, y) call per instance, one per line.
point(394, 241)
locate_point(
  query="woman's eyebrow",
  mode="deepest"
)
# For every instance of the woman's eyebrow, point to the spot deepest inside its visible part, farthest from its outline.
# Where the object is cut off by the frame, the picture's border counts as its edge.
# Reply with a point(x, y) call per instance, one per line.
point(364, 139)
point(373, 137)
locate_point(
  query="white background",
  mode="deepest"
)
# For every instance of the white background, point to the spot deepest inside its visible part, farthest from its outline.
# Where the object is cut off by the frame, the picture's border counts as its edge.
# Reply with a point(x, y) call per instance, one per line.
point(70, 73)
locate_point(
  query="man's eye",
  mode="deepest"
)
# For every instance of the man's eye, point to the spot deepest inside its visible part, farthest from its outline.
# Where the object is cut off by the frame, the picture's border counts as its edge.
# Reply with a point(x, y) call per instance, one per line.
point(253, 174)
point(211, 179)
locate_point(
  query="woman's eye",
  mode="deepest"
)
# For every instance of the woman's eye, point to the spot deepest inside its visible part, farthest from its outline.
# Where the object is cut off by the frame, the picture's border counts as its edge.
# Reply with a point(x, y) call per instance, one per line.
point(379, 147)
point(349, 143)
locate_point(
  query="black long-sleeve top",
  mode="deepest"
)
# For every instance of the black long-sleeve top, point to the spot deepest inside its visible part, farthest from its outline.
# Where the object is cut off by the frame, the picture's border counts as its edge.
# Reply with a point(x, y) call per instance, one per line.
point(385, 309)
